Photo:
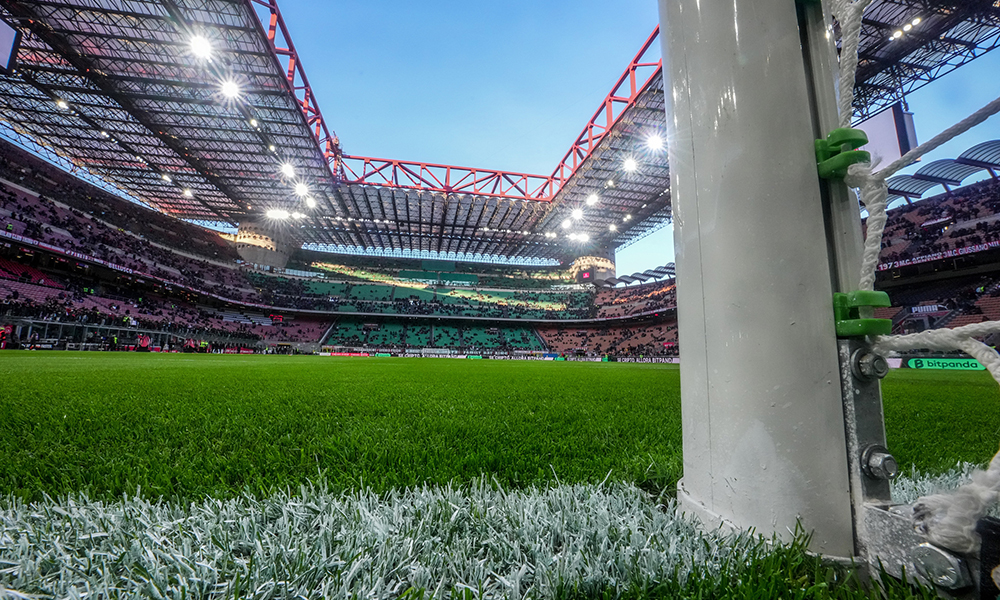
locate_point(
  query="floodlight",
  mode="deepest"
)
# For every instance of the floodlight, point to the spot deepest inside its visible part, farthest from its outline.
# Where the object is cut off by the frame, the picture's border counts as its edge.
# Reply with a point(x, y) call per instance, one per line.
point(271, 147)
point(583, 237)
point(915, 22)
point(572, 236)
point(166, 178)
point(105, 134)
point(592, 200)
point(288, 170)
point(567, 224)
point(310, 202)
point(298, 215)
point(654, 142)
point(230, 89)
point(253, 122)
point(627, 218)
point(201, 47)
point(630, 165)
point(62, 104)
point(188, 194)
point(612, 227)
point(301, 189)
point(277, 213)
point(897, 34)
point(611, 183)
point(577, 214)
point(907, 27)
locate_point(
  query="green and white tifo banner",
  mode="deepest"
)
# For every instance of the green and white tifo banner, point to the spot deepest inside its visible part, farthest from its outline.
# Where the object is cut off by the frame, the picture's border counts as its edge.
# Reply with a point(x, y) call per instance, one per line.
point(961, 364)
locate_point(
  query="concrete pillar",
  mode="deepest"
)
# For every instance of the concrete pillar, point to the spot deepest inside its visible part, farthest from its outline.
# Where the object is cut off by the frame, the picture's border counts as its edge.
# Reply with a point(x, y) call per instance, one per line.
point(587, 269)
point(265, 244)
point(764, 441)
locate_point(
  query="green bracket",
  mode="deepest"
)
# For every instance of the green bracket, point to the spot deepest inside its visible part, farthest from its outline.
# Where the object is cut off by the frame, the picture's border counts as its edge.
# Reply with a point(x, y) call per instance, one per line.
point(838, 152)
point(847, 315)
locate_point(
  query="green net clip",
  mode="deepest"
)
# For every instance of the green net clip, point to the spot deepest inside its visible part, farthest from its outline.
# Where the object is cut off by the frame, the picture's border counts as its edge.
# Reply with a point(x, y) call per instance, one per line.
point(846, 313)
point(839, 151)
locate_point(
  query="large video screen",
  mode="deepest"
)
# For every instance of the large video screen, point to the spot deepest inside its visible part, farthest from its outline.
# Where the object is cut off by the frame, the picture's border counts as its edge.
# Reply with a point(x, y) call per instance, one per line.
point(10, 38)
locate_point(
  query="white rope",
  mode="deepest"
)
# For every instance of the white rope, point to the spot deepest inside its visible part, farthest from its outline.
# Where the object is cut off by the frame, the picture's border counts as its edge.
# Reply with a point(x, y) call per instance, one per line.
point(874, 191)
point(848, 14)
point(948, 520)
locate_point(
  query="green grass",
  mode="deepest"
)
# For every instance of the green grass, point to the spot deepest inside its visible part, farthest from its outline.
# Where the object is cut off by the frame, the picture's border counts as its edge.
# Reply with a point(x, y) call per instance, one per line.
point(197, 428)
point(187, 426)
point(192, 425)
point(935, 419)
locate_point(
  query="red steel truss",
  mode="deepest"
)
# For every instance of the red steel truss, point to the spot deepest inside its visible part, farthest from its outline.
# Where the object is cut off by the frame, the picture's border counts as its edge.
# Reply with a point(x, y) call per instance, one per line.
point(519, 186)
point(298, 84)
point(623, 95)
point(447, 179)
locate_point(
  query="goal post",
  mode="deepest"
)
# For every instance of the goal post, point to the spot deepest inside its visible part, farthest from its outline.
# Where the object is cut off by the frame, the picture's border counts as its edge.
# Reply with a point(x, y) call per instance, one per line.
point(756, 256)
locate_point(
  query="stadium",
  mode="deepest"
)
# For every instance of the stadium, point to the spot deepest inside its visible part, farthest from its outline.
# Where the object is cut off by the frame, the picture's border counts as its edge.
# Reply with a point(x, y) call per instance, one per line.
point(221, 334)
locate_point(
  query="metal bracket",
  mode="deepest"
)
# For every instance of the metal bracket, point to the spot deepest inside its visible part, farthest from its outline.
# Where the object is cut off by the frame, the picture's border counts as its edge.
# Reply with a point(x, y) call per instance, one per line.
point(839, 151)
point(847, 313)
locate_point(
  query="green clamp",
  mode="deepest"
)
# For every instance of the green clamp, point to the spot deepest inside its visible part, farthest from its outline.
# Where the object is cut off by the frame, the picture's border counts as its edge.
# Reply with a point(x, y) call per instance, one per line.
point(839, 151)
point(847, 315)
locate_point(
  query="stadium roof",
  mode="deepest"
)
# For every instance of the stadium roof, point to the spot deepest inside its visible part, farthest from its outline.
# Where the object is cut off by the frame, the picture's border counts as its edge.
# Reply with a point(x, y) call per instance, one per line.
point(196, 106)
point(664, 272)
point(947, 172)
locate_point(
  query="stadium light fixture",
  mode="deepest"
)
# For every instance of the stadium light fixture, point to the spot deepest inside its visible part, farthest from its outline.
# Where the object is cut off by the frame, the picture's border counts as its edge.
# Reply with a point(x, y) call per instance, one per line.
point(654, 142)
point(577, 214)
point(630, 165)
point(230, 89)
point(907, 27)
point(567, 224)
point(897, 34)
point(612, 227)
point(288, 170)
point(201, 47)
point(105, 134)
point(271, 147)
point(277, 213)
point(583, 237)
point(572, 236)
point(592, 199)
point(301, 189)
point(62, 104)
point(915, 22)
point(310, 202)
point(254, 123)
point(188, 194)
point(611, 183)
point(627, 218)
point(298, 215)
point(166, 178)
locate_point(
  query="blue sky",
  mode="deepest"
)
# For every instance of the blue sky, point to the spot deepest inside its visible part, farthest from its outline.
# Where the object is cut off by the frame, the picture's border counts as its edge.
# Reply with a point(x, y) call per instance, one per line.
point(510, 85)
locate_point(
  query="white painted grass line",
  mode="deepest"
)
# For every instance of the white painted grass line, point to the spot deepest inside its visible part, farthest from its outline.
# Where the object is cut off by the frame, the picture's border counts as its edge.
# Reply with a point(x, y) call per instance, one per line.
point(313, 544)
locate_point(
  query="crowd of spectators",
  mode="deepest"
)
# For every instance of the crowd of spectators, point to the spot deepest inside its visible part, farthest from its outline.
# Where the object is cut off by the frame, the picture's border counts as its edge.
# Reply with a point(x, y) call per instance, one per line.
point(51, 207)
point(964, 217)
point(658, 339)
point(636, 300)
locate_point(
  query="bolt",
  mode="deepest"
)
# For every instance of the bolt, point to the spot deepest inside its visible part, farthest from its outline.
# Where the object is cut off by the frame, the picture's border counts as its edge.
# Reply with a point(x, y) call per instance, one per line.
point(879, 464)
point(883, 465)
point(868, 365)
point(941, 568)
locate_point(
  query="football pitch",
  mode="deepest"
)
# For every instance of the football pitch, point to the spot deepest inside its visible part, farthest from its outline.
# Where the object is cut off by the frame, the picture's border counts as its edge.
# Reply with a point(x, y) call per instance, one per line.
point(186, 426)
point(214, 476)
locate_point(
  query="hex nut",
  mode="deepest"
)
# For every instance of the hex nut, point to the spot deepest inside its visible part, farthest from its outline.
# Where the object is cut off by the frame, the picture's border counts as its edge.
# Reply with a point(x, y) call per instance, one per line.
point(878, 463)
point(869, 365)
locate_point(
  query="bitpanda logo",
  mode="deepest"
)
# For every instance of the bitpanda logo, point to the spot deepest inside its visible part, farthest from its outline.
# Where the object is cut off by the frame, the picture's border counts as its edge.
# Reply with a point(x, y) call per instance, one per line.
point(918, 364)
